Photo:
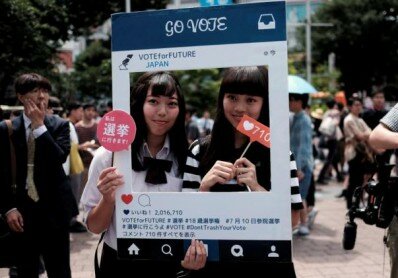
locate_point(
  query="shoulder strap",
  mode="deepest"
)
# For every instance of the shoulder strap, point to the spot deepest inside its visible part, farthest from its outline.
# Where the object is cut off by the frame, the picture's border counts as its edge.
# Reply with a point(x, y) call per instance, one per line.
point(12, 153)
point(96, 264)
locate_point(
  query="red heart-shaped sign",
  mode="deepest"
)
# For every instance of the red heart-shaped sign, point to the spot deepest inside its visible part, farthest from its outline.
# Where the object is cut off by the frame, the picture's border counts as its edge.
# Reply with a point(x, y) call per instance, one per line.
point(127, 198)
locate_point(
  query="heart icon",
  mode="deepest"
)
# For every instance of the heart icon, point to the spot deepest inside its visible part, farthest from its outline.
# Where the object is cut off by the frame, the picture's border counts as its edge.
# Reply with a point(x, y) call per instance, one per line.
point(126, 211)
point(248, 125)
point(127, 198)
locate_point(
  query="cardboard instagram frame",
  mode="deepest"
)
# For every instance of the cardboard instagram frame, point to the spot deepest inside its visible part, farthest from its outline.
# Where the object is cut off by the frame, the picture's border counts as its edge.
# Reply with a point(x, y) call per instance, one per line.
point(191, 39)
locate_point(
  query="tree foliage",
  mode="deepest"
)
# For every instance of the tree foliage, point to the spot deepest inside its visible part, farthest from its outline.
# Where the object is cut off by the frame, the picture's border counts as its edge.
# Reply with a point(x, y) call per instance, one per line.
point(92, 76)
point(200, 88)
point(87, 14)
point(32, 31)
point(30, 34)
point(363, 37)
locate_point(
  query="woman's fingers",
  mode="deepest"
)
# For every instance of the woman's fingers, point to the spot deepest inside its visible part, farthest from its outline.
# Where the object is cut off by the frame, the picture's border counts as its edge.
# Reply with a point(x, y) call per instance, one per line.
point(195, 257)
point(201, 254)
point(243, 162)
point(224, 170)
point(109, 180)
point(105, 172)
point(108, 177)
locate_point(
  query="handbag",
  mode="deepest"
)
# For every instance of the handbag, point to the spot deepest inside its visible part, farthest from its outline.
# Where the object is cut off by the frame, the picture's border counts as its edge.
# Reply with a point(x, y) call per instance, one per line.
point(76, 163)
point(328, 127)
point(7, 237)
point(364, 152)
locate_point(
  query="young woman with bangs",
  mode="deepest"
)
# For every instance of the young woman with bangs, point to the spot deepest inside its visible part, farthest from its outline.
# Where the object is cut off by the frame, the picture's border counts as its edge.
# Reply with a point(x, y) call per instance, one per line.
point(214, 164)
point(158, 108)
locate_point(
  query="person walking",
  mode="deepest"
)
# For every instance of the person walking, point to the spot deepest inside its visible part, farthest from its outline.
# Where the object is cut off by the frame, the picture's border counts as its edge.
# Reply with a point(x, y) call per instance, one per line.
point(301, 146)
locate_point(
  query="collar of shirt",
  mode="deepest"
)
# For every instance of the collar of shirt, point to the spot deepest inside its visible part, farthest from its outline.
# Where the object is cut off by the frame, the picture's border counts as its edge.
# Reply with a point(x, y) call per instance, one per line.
point(26, 121)
point(298, 114)
point(36, 132)
point(162, 154)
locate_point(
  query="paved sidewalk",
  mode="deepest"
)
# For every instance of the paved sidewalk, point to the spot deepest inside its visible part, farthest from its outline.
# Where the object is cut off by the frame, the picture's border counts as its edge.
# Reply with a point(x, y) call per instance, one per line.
point(319, 255)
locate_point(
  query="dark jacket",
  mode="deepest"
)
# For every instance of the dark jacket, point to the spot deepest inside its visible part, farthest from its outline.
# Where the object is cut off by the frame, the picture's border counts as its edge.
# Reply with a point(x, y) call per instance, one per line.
point(56, 202)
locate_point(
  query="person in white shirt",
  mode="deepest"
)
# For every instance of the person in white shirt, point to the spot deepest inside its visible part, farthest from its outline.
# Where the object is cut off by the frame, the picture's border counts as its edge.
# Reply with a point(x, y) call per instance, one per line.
point(205, 124)
point(158, 158)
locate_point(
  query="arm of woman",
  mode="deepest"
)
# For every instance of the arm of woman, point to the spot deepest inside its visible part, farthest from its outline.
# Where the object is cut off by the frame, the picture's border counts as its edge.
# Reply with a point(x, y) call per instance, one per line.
point(100, 216)
point(295, 197)
point(295, 217)
point(383, 138)
point(358, 134)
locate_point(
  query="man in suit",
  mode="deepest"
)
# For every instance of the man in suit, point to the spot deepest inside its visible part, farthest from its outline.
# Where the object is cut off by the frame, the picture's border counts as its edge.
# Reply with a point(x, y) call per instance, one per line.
point(41, 205)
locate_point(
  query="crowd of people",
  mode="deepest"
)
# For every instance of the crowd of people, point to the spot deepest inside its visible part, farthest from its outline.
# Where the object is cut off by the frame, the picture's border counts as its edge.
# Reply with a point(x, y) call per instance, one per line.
point(337, 139)
point(190, 154)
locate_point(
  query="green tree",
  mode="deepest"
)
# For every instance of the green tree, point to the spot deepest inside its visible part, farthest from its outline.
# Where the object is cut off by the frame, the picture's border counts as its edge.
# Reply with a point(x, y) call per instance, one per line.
point(88, 14)
point(200, 88)
point(31, 32)
point(363, 37)
point(92, 75)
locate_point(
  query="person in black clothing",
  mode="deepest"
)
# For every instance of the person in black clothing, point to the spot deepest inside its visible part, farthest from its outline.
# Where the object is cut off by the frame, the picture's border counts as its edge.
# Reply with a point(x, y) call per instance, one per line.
point(331, 145)
point(372, 118)
point(191, 127)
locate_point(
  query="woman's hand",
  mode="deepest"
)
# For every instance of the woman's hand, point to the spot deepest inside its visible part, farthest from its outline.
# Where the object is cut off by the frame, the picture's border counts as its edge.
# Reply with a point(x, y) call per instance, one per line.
point(108, 181)
point(196, 256)
point(221, 172)
point(246, 174)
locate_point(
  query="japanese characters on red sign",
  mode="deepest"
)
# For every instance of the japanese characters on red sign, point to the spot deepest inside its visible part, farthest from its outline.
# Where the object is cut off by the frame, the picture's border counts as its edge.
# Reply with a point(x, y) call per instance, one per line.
point(116, 130)
point(255, 130)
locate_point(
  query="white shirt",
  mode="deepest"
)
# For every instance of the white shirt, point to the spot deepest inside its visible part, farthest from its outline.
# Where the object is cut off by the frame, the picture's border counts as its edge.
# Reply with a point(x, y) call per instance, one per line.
point(36, 132)
point(103, 159)
point(204, 124)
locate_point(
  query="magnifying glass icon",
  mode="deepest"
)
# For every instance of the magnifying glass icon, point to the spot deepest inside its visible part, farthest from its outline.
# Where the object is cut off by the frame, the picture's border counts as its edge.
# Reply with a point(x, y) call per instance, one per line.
point(166, 249)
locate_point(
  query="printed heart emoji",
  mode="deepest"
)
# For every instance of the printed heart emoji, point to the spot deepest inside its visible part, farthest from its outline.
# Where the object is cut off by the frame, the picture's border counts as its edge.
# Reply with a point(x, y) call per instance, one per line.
point(248, 125)
point(126, 211)
point(127, 198)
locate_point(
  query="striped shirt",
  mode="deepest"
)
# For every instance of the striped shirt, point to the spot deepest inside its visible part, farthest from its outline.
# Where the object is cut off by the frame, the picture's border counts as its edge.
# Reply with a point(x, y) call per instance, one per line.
point(192, 177)
point(391, 119)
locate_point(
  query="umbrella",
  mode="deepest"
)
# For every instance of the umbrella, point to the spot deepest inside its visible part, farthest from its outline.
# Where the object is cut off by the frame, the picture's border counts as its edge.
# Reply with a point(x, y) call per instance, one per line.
point(298, 85)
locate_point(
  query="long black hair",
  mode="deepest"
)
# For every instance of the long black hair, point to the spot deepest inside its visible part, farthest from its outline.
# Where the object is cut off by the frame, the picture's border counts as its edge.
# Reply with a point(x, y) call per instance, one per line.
point(220, 144)
point(160, 83)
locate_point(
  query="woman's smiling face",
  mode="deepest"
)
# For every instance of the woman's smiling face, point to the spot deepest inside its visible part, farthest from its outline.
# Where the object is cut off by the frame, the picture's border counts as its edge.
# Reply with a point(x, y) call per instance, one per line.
point(236, 105)
point(160, 113)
